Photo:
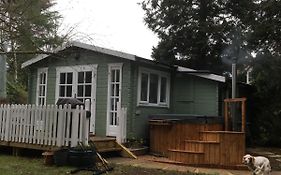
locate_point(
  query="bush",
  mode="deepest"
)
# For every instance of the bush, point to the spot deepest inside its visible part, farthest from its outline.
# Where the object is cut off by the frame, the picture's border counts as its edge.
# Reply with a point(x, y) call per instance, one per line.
point(16, 94)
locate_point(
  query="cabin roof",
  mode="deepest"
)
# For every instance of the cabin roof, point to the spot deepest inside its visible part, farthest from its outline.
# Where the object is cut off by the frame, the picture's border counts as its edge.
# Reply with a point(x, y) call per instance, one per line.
point(131, 57)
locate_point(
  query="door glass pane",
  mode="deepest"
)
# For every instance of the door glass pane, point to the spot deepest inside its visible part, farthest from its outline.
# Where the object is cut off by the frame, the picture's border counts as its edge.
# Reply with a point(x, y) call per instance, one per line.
point(80, 77)
point(112, 75)
point(117, 75)
point(80, 91)
point(43, 91)
point(115, 118)
point(116, 101)
point(40, 91)
point(117, 90)
point(68, 91)
point(88, 90)
point(153, 88)
point(62, 91)
point(111, 118)
point(69, 78)
point(112, 90)
point(163, 90)
point(88, 78)
point(112, 104)
point(62, 78)
point(144, 84)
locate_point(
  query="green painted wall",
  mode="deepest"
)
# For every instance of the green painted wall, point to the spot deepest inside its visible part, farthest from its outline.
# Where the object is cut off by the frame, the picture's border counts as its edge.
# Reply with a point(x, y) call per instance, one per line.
point(137, 126)
point(195, 95)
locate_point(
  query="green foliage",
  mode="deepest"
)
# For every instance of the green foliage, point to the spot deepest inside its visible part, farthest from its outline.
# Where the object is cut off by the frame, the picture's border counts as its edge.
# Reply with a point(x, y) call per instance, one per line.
point(16, 93)
point(196, 31)
point(200, 33)
point(26, 27)
point(265, 122)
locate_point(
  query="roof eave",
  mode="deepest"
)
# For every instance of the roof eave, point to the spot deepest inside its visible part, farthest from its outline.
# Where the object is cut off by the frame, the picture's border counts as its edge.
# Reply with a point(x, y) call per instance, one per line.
point(83, 46)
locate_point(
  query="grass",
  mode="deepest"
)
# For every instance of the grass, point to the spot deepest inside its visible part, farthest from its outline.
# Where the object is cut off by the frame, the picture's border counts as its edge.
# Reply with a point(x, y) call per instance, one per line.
point(11, 165)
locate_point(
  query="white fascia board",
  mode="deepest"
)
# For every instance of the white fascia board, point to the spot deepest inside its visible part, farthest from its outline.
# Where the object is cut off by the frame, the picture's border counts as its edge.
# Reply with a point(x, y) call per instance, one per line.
point(83, 46)
point(104, 50)
point(210, 77)
point(34, 60)
point(202, 75)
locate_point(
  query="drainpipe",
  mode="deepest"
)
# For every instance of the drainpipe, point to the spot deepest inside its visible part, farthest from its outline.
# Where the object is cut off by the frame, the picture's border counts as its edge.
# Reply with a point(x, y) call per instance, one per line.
point(233, 95)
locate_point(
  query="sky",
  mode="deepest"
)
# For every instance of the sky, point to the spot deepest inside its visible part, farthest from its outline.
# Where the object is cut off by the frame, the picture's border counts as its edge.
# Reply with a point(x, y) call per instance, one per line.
point(113, 24)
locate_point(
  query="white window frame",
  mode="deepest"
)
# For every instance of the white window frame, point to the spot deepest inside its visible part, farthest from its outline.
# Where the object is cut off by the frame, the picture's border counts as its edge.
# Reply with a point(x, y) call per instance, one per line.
point(44, 96)
point(160, 74)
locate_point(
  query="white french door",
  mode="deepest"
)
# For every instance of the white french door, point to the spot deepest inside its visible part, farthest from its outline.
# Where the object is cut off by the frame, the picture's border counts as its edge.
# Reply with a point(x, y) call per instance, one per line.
point(78, 82)
point(114, 97)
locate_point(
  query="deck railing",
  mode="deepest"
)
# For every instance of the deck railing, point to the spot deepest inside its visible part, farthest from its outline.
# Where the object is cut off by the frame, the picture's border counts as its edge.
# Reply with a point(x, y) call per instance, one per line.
point(49, 125)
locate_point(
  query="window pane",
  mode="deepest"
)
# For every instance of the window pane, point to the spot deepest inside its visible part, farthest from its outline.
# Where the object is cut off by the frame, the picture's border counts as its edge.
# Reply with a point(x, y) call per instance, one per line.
point(153, 88)
point(62, 91)
point(69, 91)
point(69, 78)
point(80, 91)
point(62, 78)
point(163, 98)
point(88, 90)
point(144, 83)
point(80, 77)
point(88, 78)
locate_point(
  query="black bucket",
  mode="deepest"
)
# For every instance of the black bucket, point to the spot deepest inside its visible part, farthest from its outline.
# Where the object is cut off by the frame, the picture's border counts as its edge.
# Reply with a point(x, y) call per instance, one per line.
point(60, 157)
point(81, 158)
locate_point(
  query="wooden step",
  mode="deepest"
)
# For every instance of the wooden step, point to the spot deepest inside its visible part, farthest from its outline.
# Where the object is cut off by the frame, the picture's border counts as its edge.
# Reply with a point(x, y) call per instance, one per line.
point(106, 144)
point(186, 157)
point(197, 145)
point(209, 136)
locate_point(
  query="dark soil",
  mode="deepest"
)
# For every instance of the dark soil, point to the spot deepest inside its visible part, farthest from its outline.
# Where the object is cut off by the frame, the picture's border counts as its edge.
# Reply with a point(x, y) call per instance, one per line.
point(129, 170)
point(273, 154)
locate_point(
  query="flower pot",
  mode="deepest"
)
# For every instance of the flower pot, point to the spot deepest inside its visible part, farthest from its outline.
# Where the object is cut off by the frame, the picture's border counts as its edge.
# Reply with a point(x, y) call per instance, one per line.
point(81, 158)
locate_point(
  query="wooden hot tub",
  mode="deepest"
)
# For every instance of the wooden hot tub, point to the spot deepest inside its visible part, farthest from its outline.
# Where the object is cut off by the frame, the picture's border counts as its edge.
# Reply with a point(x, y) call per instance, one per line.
point(196, 140)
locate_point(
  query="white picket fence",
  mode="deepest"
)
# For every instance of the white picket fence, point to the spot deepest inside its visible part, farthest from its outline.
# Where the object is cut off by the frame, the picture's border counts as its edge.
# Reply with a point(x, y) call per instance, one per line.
point(49, 125)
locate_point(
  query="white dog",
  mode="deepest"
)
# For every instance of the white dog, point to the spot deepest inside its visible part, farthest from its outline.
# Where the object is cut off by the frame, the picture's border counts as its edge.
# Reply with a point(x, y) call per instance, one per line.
point(258, 165)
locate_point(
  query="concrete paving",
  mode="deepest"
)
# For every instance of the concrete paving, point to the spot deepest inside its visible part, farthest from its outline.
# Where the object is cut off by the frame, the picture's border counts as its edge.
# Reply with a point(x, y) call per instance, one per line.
point(143, 161)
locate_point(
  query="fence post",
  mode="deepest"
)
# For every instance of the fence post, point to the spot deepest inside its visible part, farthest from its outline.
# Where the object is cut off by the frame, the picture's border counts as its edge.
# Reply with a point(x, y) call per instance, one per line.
point(60, 126)
point(87, 118)
point(74, 129)
point(7, 125)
